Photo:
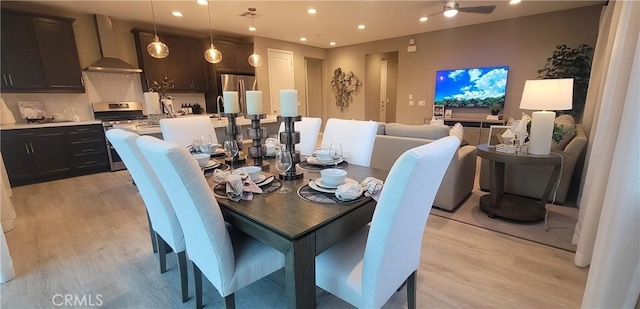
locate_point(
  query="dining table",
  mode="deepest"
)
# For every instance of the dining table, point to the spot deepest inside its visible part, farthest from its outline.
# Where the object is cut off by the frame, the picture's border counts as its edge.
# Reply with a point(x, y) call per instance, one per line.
point(299, 228)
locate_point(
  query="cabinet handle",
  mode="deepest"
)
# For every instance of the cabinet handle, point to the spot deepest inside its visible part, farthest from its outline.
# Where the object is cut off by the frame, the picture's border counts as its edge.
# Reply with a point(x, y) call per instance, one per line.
point(82, 81)
point(10, 79)
point(4, 76)
point(88, 150)
point(148, 85)
point(31, 144)
point(83, 129)
point(26, 147)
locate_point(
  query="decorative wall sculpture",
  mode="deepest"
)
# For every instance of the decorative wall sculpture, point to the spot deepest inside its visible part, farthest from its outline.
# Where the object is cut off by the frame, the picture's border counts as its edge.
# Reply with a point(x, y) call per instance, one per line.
point(344, 85)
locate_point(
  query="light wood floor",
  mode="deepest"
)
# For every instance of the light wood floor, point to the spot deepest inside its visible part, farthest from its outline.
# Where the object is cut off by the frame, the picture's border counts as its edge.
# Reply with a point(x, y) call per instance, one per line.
point(88, 237)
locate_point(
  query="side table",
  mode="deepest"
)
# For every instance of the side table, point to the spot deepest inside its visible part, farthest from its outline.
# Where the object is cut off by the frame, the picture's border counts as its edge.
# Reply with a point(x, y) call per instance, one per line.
point(511, 206)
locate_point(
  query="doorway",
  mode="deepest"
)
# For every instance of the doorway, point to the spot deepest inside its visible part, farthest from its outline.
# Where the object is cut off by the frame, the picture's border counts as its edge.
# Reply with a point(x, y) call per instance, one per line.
point(381, 87)
point(313, 84)
point(280, 76)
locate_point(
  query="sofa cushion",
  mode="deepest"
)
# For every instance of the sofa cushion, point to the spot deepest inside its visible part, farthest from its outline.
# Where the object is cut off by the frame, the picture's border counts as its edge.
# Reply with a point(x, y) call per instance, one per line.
point(416, 131)
point(568, 125)
point(457, 130)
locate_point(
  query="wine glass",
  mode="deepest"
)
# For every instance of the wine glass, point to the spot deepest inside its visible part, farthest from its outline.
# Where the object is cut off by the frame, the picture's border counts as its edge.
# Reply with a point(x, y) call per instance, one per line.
point(231, 150)
point(283, 165)
point(206, 143)
point(336, 153)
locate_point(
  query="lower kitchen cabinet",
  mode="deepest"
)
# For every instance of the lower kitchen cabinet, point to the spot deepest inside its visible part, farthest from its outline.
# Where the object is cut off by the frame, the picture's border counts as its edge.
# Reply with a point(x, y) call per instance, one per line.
point(43, 154)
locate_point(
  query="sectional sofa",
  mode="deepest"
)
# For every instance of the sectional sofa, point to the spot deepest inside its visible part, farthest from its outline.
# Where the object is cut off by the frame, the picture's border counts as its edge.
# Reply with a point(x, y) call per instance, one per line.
point(393, 139)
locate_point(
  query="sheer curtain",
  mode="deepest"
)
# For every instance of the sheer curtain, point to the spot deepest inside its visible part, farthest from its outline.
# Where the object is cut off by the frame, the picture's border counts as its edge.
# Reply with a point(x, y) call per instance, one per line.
point(608, 229)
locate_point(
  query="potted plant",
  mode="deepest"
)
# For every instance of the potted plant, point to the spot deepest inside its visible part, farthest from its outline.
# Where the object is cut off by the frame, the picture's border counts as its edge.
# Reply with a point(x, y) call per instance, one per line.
point(495, 109)
point(162, 87)
point(568, 62)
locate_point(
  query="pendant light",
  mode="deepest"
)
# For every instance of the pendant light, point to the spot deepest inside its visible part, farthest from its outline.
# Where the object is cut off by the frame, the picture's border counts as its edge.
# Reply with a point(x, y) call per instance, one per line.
point(255, 60)
point(212, 55)
point(156, 48)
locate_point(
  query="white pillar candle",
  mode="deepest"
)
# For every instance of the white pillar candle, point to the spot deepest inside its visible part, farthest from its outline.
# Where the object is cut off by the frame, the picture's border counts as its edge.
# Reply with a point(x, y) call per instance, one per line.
point(230, 99)
point(152, 103)
point(288, 103)
point(254, 102)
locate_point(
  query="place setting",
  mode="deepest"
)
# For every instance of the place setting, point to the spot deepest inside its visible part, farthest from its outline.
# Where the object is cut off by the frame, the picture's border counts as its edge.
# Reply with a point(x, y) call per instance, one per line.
point(243, 183)
point(325, 157)
point(334, 187)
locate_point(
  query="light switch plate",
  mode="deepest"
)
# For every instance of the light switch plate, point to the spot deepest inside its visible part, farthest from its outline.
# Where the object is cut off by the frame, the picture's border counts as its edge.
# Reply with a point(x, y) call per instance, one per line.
point(411, 103)
point(421, 103)
point(411, 97)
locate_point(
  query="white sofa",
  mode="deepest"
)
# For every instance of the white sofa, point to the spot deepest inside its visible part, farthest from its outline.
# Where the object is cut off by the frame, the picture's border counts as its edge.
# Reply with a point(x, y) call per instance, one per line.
point(393, 139)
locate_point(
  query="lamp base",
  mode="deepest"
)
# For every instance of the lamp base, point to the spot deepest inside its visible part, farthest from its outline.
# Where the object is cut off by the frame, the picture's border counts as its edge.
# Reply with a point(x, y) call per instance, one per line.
point(541, 132)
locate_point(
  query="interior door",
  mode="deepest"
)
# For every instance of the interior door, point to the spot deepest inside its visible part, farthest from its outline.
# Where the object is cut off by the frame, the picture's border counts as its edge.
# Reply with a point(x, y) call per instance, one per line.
point(315, 107)
point(383, 91)
point(280, 76)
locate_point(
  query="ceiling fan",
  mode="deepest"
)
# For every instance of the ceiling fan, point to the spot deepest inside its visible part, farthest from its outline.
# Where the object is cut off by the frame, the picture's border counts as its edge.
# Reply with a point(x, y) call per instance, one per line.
point(451, 8)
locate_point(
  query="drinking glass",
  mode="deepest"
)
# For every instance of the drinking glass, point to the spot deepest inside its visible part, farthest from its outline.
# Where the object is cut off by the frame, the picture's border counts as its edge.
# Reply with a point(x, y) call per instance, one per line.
point(231, 150)
point(336, 153)
point(283, 165)
point(196, 144)
point(206, 143)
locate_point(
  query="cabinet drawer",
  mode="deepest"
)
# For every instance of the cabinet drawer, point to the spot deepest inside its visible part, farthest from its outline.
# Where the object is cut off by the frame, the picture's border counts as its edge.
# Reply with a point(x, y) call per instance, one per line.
point(86, 135)
point(90, 159)
point(88, 147)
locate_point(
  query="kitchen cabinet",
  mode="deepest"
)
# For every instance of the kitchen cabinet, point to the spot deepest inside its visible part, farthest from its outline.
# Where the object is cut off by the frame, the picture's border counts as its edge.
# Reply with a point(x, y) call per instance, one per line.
point(185, 63)
point(42, 154)
point(235, 57)
point(39, 54)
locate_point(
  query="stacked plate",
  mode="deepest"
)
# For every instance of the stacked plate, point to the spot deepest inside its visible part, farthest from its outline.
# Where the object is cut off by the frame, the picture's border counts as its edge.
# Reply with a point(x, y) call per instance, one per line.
point(316, 161)
point(321, 186)
point(264, 179)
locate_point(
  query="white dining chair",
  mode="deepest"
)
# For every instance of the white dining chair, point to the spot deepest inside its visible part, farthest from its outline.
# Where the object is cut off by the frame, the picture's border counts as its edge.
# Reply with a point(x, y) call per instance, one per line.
point(309, 129)
point(357, 138)
point(162, 218)
point(183, 130)
point(368, 267)
point(228, 258)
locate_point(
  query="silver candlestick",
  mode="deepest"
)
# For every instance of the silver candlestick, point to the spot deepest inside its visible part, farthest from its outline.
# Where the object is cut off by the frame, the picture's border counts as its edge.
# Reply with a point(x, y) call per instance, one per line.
point(257, 134)
point(232, 131)
point(289, 138)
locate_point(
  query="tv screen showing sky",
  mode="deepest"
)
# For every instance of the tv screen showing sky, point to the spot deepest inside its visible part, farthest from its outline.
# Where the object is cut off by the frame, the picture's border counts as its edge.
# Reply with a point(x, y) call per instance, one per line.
point(475, 87)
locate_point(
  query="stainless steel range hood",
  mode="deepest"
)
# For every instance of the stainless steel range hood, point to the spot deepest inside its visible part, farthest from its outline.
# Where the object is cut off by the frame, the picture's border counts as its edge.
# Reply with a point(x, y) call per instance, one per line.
point(109, 63)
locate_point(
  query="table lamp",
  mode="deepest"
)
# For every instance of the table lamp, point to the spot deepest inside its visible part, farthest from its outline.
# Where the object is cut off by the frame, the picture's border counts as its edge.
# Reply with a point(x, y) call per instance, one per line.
point(547, 96)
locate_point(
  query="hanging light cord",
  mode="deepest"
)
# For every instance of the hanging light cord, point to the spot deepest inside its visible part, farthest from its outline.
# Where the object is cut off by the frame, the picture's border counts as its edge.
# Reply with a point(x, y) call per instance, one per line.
point(153, 16)
point(210, 32)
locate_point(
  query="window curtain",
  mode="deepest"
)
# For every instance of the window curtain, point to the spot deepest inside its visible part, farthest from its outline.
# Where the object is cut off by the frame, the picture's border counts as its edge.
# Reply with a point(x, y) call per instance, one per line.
point(608, 230)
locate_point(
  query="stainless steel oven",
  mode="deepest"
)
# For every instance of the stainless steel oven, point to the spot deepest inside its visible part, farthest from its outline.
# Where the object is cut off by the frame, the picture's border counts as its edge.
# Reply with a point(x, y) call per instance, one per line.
point(112, 113)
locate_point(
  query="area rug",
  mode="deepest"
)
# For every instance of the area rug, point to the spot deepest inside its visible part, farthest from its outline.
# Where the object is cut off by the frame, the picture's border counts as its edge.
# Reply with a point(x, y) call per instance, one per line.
point(561, 221)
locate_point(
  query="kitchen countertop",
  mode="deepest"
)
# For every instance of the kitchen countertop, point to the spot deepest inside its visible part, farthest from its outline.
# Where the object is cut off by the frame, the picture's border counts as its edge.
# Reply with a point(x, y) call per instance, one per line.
point(142, 129)
point(48, 125)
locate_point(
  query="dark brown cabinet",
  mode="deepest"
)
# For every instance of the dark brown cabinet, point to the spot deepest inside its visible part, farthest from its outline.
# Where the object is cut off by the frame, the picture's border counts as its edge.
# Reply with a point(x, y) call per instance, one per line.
point(42, 154)
point(185, 63)
point(39, 54)
point(235, 57)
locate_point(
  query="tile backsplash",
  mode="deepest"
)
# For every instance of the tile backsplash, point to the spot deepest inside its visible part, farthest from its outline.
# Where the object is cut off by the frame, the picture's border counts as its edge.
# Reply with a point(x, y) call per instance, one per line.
point(99, 87)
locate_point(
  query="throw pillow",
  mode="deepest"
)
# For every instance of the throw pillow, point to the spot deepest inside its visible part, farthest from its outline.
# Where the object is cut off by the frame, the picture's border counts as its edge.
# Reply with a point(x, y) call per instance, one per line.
point(416, 131)
point(568, 126)
point(457, 130)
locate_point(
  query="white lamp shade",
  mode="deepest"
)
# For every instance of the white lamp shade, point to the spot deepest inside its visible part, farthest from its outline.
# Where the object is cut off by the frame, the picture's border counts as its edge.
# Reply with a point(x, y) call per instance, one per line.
point(547, 94)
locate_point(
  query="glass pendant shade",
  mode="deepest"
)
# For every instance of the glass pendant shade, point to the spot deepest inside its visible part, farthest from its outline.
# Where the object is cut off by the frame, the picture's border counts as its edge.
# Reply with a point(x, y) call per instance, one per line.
point(157, 49)
point(212, 55)
point(255, 60)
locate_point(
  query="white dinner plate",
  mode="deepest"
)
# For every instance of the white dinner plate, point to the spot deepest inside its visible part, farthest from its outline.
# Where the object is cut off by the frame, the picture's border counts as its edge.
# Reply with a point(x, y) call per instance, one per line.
point(211, 164)
point(264, 180)
point(315, 161)
point(321, 183)
point(314, 186)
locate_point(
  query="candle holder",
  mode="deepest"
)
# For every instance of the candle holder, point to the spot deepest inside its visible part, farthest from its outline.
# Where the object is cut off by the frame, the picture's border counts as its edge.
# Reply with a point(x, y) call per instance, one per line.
point(232, 131)
point(257, 134)
point(289, 138)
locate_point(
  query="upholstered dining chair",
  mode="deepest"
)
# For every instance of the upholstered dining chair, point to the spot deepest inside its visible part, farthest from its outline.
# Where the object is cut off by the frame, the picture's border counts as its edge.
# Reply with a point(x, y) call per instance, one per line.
point(309, 129)
point(228, 258)
point(357, 138)
point(162, 218)
point(181, 131)
point(368, 267)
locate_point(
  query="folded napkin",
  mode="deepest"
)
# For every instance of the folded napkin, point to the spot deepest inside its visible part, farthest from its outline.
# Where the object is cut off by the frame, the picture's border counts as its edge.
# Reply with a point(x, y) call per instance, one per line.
point(239, 184)
point(350, 191)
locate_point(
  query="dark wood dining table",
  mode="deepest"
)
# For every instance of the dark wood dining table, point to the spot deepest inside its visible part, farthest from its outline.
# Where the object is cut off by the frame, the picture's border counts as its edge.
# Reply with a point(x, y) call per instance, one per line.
point(301, 229)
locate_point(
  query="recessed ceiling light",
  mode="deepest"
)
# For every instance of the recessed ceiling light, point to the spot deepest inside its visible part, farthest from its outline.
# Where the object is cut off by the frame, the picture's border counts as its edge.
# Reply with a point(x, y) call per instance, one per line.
point(332, 43)
point(312, 11)
point(303, 39)
point(252, 28)
point(361, 26)
point(176, 14)
point(202, 2)
point(514, 1)
point(423, 19)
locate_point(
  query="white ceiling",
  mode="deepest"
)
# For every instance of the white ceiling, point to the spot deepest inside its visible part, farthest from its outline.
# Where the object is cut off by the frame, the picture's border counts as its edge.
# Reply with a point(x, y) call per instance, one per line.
point(288, 20)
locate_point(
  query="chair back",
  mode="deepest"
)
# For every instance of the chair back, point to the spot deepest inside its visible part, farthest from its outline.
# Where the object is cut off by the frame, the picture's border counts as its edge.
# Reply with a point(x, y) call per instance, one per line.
point(357, 138)
point(182, 131)
point(205, 232)
point(309, 129)
point(394, 242)
point(161, 214)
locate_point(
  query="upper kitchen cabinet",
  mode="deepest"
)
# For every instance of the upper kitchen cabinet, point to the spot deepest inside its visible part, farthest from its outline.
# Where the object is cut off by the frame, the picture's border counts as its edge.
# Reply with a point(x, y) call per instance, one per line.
point(39, 54)
point(235, 57)
point(185, 63)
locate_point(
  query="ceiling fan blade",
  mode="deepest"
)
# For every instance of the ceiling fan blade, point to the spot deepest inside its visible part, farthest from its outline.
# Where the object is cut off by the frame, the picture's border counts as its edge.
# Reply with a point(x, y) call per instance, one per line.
point(485, 9)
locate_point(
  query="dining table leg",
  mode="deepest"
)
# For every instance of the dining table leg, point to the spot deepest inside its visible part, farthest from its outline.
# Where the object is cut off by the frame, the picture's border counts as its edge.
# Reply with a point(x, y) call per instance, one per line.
point(300, 273)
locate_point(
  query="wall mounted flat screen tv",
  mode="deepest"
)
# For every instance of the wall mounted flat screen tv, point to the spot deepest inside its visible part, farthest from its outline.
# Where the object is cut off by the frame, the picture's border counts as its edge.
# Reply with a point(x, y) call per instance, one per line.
point(475, 87)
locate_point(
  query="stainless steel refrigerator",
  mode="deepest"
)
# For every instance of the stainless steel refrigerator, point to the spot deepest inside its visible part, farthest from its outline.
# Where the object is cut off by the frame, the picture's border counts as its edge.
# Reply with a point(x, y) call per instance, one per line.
point(239, 83)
